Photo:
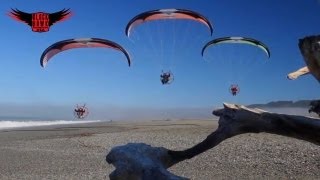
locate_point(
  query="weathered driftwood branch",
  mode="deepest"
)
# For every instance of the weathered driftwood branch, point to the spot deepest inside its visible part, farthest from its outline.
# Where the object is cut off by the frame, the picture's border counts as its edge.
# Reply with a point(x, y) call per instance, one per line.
point(310, 50)
point(138, 161)
point(298, 73)
point(315, 107)
point(142, 161)
point(236, 119)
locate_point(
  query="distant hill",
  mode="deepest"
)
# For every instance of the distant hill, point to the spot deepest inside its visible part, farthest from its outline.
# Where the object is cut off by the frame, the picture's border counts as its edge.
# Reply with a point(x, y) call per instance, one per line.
point(279, 104)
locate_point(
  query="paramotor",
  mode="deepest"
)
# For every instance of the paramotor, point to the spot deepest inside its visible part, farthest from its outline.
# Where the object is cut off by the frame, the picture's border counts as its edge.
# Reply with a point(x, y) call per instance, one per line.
point(81, 112)
point(166, 78)
point(234, 89)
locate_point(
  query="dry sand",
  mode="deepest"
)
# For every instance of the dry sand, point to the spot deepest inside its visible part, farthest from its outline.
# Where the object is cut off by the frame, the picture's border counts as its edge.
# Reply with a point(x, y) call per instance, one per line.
point(78, 151)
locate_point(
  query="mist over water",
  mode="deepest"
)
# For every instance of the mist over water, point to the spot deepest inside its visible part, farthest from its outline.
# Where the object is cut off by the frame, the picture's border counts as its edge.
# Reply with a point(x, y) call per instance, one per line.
point(17, 124)
point(291, 111)
point(137, 114)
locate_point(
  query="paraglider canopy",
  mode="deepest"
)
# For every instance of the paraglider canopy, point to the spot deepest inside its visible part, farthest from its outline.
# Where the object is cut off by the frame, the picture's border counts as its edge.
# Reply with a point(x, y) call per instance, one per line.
point(80, 43)
point(167, 14)
point(242, 40)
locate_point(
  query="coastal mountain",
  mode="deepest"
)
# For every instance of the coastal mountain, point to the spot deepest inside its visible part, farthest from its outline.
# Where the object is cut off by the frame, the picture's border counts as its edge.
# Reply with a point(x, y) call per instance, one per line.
point(283, 104)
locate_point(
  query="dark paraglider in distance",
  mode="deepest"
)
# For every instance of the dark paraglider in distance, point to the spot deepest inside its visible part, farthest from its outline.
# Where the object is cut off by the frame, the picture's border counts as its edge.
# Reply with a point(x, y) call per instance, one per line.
point(166, 77)
point(234, 89)
point(80, 112)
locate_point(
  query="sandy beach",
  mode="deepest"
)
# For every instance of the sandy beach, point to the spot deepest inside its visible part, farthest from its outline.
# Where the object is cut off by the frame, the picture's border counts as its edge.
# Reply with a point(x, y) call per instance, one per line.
point(78, 151)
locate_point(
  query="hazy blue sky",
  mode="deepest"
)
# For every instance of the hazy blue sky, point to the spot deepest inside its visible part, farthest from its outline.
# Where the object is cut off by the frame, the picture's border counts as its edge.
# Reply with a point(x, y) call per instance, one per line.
point(102, 79)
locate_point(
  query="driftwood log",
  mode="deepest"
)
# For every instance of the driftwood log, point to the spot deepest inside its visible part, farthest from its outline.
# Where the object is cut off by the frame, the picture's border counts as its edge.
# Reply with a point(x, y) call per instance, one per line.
point(146, 162)
point(237, 119)
point(310, 50)
point(139, 161)
point(315, 107)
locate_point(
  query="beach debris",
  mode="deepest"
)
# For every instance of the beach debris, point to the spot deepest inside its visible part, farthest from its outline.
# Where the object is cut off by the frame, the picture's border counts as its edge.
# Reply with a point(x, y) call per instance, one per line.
point(315, 107)
point(237, 119)
point(137, 161)
point(310, 50)
point(141, 161)
point(300, 72)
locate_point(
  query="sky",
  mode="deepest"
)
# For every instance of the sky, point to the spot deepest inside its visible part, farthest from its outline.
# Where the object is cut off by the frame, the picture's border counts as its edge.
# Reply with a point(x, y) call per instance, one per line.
point(102, 79)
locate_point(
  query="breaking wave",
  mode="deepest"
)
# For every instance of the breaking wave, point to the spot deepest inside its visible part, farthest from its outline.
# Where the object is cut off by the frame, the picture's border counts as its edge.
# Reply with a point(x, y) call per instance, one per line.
point(17, 124)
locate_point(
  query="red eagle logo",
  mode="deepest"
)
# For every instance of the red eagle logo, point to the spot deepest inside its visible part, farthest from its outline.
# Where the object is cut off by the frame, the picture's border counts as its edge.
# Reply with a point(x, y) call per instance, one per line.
point(40, 21)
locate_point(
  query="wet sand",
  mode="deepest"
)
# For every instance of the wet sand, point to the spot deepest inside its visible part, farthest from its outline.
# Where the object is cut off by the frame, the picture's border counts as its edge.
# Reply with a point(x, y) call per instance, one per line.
point(78, 151)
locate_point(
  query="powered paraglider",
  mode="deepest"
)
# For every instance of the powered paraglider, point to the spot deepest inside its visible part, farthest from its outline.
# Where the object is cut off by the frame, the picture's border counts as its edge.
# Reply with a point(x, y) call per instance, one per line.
point(234, 89)
point(236, 57)
point(166, 78)
point(81, 112)
point(163, 33)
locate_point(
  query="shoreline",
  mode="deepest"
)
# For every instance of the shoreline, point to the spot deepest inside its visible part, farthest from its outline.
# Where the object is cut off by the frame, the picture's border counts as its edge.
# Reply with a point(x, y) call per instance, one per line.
point(78, 151)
